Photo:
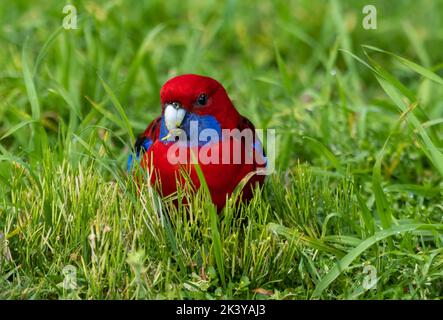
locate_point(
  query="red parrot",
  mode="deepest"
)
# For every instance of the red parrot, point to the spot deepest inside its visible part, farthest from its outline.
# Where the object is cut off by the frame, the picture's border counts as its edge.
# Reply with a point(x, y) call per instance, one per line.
point(196, 114)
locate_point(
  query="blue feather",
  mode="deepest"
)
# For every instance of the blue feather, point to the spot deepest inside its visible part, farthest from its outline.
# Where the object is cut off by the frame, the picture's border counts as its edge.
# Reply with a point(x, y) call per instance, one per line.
point(146, 144)
point(204, 122)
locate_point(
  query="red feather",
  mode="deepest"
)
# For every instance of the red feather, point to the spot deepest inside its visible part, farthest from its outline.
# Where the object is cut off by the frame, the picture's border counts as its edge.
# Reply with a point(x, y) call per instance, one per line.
point(152, 132)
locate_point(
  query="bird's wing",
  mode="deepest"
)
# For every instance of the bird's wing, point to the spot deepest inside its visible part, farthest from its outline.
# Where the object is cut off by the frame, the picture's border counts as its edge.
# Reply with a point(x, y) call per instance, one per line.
point(145, 140)
point(152, 132)
point(245, 123)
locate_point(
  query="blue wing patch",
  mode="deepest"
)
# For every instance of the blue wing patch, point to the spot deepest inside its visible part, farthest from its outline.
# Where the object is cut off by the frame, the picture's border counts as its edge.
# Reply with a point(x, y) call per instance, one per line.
point(203, 122)
point(141, 146)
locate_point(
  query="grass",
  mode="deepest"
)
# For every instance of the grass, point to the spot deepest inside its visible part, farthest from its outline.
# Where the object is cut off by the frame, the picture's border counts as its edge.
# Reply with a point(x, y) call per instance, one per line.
point(359, 168)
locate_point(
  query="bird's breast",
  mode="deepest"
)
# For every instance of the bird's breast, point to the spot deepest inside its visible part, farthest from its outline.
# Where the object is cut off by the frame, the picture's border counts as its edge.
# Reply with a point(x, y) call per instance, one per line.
point(223, 163)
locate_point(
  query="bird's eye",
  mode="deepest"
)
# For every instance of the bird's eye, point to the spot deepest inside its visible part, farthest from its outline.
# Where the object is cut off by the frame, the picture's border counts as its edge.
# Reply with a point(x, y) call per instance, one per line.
point(202, 99)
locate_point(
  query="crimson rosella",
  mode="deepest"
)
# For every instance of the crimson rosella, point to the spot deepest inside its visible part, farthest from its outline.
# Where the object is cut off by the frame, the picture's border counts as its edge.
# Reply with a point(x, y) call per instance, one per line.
point(196, 114)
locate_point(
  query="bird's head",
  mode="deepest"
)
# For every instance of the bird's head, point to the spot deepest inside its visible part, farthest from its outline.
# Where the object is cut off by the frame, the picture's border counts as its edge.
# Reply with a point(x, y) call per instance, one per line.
point(193, 97)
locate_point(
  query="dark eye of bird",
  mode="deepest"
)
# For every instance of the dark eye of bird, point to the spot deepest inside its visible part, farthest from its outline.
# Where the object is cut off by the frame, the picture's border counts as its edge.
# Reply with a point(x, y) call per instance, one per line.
point(202, 99)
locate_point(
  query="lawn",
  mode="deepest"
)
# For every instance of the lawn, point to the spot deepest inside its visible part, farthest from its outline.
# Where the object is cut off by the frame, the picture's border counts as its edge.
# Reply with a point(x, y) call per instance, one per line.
point(353, 210)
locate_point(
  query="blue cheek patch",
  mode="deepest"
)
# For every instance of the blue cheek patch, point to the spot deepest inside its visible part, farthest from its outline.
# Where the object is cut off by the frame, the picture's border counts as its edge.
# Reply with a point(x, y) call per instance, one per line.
point(163, 130)
point(203, 122)
point(146, 144)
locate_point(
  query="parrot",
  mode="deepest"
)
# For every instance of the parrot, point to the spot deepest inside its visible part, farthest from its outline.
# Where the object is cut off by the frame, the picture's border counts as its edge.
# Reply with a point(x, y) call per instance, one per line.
point(192, 105)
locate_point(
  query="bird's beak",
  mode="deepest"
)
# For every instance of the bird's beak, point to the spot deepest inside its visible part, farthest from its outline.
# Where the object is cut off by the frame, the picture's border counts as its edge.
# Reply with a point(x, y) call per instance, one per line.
point(174, 115)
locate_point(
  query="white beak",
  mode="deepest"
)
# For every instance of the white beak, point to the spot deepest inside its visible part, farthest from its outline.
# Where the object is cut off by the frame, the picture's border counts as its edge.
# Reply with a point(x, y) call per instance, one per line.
point(174, 116)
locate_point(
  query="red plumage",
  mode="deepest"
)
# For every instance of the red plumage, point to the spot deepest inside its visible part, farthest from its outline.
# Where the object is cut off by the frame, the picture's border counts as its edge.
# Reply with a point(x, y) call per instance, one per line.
point(189, 91)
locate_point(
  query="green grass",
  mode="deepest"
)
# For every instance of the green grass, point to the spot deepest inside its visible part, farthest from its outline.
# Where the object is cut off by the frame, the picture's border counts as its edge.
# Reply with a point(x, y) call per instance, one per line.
point(358, 182)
